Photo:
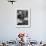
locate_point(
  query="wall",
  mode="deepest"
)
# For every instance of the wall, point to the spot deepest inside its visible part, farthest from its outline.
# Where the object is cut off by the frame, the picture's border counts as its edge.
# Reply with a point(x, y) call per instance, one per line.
point(8, 28)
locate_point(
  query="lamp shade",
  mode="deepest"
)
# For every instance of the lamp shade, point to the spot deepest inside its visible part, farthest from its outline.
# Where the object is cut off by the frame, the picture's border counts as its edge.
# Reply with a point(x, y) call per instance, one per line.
point(12, 1)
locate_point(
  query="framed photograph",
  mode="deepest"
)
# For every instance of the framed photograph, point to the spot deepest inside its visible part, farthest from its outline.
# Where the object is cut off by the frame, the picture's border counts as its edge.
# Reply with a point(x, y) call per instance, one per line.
point(23, 17)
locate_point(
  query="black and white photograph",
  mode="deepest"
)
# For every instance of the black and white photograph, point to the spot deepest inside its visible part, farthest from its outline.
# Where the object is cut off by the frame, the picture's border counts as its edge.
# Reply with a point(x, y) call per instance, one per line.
point(23, 17)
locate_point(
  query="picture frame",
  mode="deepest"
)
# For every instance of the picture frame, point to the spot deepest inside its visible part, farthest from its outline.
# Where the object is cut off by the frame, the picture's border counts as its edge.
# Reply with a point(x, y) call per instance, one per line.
point(23, 17)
